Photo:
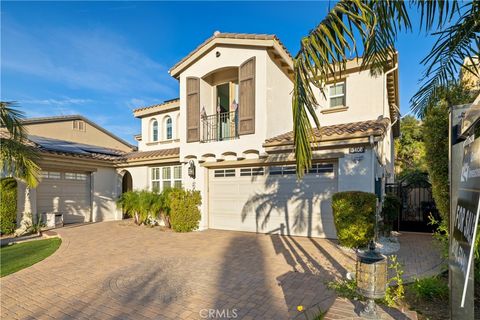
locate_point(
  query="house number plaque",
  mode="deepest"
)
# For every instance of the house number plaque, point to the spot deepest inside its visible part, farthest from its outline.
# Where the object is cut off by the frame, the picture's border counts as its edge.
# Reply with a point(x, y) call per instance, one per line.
point(357, 150)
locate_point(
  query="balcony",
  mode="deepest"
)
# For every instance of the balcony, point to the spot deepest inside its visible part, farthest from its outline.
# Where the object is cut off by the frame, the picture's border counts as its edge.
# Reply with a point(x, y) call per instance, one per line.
point(220, 127)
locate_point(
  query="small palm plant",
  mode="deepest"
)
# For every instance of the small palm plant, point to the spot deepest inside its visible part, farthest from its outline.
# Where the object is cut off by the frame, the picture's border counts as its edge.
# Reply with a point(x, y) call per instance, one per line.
point(163, 206)
point(146, 206)
point(128, 201)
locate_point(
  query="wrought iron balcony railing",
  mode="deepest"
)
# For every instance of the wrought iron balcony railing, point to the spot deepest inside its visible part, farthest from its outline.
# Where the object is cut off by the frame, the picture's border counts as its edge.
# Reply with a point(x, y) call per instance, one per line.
point(219, 127)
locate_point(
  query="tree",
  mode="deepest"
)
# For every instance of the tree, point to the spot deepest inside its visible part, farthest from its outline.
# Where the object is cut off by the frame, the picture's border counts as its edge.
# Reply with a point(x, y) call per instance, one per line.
point(372, 27)
point(17, 158)
point(410, 148)
point(435, 134)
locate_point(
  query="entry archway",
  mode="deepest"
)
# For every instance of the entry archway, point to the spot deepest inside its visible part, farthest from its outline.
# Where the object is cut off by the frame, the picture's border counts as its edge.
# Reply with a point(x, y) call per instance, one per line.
point(127, 185)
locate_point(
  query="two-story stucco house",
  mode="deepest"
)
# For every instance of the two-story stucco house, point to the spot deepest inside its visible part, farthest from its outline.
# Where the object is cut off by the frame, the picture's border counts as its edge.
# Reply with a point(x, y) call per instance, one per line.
point(229, 135)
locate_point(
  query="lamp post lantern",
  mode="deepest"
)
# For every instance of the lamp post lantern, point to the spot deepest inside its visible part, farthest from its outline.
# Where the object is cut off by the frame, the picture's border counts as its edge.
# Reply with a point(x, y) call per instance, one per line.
point(372, 277)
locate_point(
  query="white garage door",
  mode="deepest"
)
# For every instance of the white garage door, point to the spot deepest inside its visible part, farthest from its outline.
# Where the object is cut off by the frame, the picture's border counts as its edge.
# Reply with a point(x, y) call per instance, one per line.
point(67, 193)
point(270, 200)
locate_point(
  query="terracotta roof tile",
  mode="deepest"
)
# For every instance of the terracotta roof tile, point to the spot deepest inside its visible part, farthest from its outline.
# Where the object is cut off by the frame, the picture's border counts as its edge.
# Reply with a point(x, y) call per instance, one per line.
point(165, 103)
point(155, 154)
point(337, 132)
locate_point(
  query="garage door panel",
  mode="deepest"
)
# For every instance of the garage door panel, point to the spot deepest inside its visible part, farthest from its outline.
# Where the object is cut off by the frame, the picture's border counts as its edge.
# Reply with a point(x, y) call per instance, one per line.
point(67, 196)
point(273, 204)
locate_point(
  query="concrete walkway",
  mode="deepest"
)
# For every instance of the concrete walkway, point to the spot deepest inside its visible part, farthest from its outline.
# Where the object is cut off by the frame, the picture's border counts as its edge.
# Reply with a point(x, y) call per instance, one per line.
point(114, 270)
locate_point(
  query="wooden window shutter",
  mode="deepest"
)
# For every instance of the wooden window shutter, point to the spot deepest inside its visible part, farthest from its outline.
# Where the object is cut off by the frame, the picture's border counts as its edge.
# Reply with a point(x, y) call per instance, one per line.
point(193, 109)
point(246, 105)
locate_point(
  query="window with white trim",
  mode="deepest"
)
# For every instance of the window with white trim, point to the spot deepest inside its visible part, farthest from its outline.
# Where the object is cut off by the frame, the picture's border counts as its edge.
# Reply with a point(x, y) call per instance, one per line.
point(155, 179)
point(51, 175)
point(224, 173)
point(166, 177)
point(336, 94)
point(282, 170)
point(168, 128)
point(154, 130)
point(75, 176)
point(321, 168)
point(249, 172)
point(79, 125)
point(177, 176)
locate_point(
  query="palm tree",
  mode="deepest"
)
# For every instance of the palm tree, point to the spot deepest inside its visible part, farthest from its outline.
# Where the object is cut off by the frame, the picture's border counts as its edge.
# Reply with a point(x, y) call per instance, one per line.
point(17, 158)
point(372, 26)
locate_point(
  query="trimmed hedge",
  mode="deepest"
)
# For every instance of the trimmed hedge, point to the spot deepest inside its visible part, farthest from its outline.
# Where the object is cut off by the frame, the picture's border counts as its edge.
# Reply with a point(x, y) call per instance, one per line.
point(435, 130)
point(184, 212)
point(8, 205)
point(354, 217)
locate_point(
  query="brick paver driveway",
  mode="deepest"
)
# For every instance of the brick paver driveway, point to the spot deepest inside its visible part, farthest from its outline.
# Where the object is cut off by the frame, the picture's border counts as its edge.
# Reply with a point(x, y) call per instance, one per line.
point(116, 270)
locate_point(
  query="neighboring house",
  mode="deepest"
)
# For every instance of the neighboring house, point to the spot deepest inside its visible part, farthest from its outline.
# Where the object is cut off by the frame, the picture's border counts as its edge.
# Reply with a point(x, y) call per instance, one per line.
point(467, 77)
point(78, 175)
point(233, 122)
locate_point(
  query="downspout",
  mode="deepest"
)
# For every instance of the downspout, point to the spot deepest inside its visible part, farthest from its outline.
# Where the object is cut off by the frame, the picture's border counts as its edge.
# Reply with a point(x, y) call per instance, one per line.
point(372, 162)
point(385, 88)
point(392, 123)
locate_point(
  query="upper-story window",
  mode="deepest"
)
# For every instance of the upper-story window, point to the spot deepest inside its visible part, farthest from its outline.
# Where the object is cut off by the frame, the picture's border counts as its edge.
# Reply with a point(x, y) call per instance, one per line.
point(154, 130)
point(79, 125)
point(337, 94)
point(168, 128)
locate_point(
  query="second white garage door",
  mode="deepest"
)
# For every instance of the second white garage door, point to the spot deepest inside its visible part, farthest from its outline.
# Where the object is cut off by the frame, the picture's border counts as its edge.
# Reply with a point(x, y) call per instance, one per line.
point(67, 193)
point(270, 200)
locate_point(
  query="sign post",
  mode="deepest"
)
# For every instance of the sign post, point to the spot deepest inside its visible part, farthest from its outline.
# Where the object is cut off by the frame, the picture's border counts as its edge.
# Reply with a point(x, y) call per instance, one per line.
point(465, 207)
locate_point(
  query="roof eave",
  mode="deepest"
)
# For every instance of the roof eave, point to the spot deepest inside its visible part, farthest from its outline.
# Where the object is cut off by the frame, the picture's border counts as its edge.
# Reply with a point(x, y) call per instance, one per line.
point(213, 42)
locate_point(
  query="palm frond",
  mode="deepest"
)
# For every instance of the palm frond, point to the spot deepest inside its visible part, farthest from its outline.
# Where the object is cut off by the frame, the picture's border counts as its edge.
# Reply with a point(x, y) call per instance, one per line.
point(20, 161)
point(379, 48)
point(454, 44)
point(435, 13)
point(11, 119)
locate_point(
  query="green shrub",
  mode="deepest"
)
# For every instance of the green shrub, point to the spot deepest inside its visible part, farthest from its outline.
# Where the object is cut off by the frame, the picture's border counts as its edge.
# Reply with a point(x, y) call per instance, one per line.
point(390, 212)
point(435, 130)
point(354, 217)
point(395, 293)
point(430, 288)
point(184, 212)
point(8, 205)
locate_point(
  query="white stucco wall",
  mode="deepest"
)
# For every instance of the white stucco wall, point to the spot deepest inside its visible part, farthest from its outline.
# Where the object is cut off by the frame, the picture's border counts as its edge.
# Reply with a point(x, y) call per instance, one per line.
point(105, 192)
point(356, 172)
point(140, 177)
point(279, 101)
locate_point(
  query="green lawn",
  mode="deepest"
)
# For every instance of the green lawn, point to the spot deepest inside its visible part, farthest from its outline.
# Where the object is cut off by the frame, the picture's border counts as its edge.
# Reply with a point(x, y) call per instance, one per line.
point(22, 255)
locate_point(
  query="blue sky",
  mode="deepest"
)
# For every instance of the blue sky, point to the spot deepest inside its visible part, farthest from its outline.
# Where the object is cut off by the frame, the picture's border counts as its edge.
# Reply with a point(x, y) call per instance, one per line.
point(103, 59)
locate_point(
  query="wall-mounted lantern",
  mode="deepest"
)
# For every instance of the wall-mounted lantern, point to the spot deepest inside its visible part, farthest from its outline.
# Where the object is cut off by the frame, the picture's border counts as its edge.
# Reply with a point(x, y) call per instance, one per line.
point(191, 169)
point(371, 279)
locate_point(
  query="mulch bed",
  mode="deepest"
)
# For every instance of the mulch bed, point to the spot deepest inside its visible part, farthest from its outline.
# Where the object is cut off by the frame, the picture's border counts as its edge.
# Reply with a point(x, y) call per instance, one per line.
point(437, 309)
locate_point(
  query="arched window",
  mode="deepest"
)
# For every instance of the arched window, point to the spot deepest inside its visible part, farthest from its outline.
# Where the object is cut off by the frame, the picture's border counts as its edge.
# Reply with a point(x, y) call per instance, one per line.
point(168, 128)
point(155, 130)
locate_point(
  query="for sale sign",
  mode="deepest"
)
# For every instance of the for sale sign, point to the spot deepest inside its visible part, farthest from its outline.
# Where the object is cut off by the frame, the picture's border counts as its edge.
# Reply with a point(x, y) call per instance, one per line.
point(467, 212)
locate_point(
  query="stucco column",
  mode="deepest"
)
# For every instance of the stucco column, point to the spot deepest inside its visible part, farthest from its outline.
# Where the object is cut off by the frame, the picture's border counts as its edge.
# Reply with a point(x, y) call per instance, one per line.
point(26, 206)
